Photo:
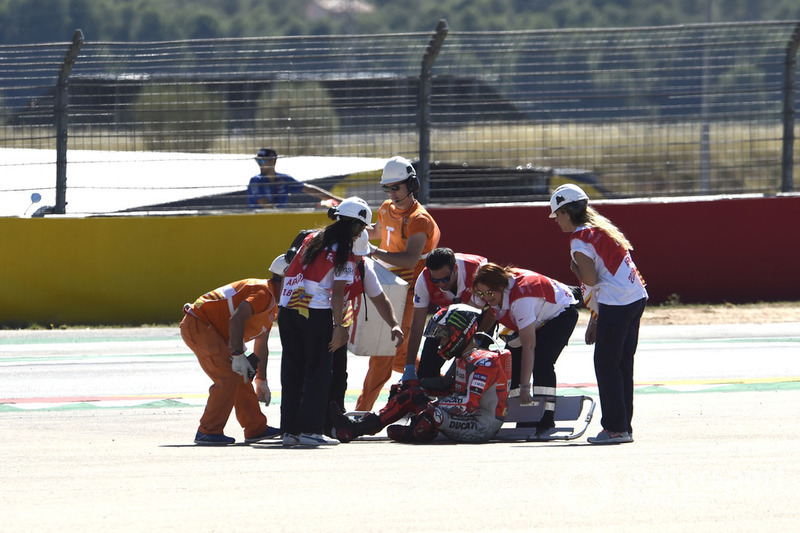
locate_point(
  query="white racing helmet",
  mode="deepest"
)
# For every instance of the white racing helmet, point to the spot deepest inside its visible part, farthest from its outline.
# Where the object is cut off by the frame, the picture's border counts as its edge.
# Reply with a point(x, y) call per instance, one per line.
point(397, 169)
point(565, 194)
point(355, 207)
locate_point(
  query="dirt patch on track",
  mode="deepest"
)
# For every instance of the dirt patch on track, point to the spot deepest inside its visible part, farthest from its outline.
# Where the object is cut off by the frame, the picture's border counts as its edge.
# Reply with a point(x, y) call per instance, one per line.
point(758, 313)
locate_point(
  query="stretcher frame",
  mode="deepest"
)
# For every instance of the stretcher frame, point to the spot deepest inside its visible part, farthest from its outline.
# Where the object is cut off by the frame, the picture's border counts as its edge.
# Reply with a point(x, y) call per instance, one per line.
point(572, 415)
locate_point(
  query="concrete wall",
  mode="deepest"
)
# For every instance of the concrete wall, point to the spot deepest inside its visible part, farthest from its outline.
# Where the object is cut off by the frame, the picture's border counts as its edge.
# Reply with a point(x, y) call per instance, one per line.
point(141, 270)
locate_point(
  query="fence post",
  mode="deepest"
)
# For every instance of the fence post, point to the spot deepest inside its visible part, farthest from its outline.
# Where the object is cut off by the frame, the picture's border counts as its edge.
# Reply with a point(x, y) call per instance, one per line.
point(790, 63)
point(705, 144)
point(424, 107)
point(62, 98)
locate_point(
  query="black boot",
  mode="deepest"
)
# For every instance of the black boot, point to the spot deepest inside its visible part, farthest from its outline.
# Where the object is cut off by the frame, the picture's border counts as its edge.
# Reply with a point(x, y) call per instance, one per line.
point(341, 426)
point(400, 433)
point(369, 424)
point(545, 424)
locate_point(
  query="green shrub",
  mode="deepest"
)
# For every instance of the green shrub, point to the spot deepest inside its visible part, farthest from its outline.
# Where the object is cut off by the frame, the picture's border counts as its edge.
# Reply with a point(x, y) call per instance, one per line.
point(299, 114)
point(179, 117)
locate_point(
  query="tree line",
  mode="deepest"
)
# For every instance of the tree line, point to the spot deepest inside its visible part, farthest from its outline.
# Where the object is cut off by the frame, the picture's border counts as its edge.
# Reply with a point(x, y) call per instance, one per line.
point(43, 21)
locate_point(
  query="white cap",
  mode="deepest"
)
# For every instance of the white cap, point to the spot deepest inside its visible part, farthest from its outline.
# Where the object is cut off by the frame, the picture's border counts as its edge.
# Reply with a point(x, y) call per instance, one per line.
point(279, 265)
point(565, 194)
point(355, 207)
point(397, 169)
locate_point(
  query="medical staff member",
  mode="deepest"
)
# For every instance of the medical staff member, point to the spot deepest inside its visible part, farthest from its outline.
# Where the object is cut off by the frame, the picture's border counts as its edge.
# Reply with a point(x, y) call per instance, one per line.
point(543, 311)
point(601, 260)
point(310, 321)
point(446, 279)
point(365, 284)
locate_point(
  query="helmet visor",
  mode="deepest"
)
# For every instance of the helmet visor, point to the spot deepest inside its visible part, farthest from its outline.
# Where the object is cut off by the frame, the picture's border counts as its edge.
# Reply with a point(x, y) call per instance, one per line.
point(436, 330)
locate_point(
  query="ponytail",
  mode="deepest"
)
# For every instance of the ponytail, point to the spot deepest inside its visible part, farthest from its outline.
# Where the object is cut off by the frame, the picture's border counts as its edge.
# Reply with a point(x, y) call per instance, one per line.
point(582, 214)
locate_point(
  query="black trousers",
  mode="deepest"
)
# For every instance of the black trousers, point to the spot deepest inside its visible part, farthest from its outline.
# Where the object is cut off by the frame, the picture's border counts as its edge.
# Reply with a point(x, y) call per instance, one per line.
point(551, 338)
point(615, 344)
point(338, 387)
point(305, 369)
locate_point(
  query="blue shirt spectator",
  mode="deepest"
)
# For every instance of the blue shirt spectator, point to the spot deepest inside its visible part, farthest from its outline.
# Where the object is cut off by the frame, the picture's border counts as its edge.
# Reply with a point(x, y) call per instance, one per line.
point(272, 189)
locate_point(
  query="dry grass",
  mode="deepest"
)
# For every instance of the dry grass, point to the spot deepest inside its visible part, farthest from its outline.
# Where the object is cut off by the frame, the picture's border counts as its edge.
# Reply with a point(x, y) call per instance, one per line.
point(755, 313)
point(630, 159)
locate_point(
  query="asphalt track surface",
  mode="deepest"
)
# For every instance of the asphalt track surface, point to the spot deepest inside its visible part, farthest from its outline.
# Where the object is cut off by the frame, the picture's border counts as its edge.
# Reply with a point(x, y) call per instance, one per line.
point(96, 431)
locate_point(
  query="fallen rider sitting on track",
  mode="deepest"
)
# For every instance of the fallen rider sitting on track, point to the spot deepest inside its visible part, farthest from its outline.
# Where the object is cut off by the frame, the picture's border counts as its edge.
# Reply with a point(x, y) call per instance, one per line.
point(471, 406)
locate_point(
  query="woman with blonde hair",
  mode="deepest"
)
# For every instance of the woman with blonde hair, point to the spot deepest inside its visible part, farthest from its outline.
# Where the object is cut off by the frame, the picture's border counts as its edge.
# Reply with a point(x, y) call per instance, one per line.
point(601, 260)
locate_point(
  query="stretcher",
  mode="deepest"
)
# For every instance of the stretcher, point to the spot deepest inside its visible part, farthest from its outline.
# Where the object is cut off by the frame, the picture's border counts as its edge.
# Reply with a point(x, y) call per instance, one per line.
point(573, 415)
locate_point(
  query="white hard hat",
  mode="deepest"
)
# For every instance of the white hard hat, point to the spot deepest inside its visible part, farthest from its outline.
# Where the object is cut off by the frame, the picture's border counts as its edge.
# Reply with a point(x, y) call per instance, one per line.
point(397, 169)
point(279, 265)
point(355, 207)
point(565, 194)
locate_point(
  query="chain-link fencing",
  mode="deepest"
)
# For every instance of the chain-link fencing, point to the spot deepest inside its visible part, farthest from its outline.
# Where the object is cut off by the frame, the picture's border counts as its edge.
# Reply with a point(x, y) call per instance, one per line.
point(487, 117)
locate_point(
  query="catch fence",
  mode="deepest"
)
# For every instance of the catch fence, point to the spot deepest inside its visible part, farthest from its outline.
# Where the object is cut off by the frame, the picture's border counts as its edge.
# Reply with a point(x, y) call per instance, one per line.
point(487, 117)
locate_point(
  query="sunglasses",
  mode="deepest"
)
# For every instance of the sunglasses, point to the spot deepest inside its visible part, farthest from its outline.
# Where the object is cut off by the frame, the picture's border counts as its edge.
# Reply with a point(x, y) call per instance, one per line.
point(387, 188)
point(264, 161)
point(481, 294)
point(445, 279)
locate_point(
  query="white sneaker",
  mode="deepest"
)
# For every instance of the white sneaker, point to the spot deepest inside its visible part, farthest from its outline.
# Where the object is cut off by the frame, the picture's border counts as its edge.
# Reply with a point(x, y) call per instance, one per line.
point(316, 439)
point(290, 440)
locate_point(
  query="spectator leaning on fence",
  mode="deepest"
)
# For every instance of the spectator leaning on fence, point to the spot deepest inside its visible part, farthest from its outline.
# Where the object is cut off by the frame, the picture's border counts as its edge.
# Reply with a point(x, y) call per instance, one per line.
point(272, 189)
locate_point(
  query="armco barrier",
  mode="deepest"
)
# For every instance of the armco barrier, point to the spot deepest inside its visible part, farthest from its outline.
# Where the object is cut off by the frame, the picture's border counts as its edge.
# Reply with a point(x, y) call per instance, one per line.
point(705, 250)
point(135, 270)
point(141, 270)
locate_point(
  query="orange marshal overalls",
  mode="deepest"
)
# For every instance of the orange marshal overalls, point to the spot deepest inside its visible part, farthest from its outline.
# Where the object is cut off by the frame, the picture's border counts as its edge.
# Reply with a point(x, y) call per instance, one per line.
point(204, 329)
point(397, 226)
